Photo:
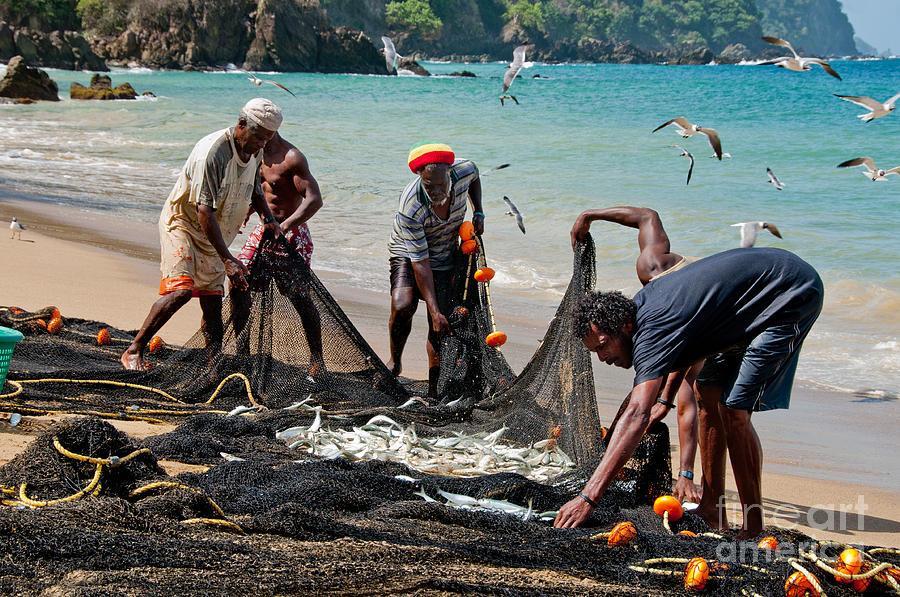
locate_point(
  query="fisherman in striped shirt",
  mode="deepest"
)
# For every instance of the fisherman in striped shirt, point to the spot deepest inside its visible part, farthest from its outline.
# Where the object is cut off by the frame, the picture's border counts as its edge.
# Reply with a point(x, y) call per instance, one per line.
point(423, 246)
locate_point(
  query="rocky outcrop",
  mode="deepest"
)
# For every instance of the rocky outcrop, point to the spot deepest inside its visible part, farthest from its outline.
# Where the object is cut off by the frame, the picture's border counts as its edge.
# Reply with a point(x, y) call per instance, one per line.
point(56, 49)
point(464, 73)
point(412, 66)
point(345, 50)
point(816, 26)
point(7, 43)
point(689, 55)
point(101, 89)
point(734, 54)
point(23, 82)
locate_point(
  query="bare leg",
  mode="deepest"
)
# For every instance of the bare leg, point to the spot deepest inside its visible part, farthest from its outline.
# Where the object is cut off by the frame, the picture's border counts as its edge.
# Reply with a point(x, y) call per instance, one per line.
point(433, 348)
point(713, 446)
point(312, 326)
point(161, 312)
point(746, 454)
point(403, 307)
point(211, 306)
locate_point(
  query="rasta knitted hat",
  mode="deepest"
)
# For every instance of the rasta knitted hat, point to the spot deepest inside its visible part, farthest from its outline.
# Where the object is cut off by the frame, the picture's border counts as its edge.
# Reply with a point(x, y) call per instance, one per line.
point(423, 154)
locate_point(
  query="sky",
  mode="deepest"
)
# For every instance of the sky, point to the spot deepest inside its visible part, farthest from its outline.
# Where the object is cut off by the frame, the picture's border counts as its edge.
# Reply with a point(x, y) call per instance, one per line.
point(876, 21)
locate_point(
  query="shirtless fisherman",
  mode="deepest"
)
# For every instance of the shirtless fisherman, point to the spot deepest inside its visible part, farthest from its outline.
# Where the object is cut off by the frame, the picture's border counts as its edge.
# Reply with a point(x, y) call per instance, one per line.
point(202, 217)
point(293, 195)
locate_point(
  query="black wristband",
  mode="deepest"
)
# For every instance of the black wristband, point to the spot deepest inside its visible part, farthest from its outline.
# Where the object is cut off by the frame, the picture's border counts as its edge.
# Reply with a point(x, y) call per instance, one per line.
point(592, 503)
point(664, 403)
point(269, 219)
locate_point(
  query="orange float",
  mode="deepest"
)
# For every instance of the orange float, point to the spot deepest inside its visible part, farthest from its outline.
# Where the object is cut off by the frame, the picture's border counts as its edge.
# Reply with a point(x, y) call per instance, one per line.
point(797, 585)
point(668, 505)
point(16, 310)
point(466, 231)
point(687, 533)
point(622, 534)
point(861, 585)
point(40, 323)
point(156, 344)
point(103, 337)
point(696, 574)
point(484, 274)
point(769, 542)
point(495, 339)
point(55, 325)
point(56, 314)
point(469, 247)
point(852, 559)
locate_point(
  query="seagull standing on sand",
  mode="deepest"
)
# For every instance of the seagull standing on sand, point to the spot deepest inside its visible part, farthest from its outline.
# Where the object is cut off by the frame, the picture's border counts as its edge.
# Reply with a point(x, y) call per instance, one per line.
point(686, 129)
point(259, 83)
point(750, 230)
point(512, 72)
point(514, 211)
point(15, 228)
point(391, 57)
point(872, 172)
point(796, 62)
point(773, 180)
point(875, 108)
point(686, 154)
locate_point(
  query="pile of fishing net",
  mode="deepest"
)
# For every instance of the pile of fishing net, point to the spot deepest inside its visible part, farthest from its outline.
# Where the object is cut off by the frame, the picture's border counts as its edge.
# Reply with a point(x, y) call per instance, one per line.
point(346, 478)
point(275, 524)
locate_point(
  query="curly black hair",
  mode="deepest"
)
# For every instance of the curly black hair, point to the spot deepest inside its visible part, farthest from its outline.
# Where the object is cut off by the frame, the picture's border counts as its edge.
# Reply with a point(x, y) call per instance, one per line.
point(609, 311)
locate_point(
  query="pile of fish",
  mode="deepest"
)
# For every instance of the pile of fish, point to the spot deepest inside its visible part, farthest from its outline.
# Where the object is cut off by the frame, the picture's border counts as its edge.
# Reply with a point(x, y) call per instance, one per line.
point(460, 454)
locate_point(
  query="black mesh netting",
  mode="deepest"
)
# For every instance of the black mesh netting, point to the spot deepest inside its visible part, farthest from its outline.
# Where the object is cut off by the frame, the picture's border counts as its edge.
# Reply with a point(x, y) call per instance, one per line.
point(90, 510)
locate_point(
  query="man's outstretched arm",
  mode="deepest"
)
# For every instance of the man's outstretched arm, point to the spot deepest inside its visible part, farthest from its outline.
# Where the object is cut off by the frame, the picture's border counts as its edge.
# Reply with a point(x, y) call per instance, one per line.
point(656, 256)
point(630, 429)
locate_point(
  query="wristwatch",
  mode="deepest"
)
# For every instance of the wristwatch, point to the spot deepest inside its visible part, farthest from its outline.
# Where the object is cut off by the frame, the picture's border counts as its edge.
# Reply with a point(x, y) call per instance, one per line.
point(689, 475)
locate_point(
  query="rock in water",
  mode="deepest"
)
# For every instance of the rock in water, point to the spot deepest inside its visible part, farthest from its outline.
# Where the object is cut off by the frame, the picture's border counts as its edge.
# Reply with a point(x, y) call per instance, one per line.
point(24, 82)
point(101, 89)
point(463, 73)
point(414, 67)
point(733, 54)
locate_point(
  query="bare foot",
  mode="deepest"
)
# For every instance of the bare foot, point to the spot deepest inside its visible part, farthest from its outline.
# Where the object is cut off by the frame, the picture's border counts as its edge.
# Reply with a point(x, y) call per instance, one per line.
point(133, 360)
point(748, 534)
point(712, 518)
point(395, 368)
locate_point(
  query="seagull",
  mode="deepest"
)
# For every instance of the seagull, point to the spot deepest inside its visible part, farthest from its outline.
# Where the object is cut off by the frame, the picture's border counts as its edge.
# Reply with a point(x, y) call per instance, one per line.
point(515, 66)
point(797, 63)
point(514, 211)
point(749, 230)
point(875, 108)
point(391, 57)
point(259, 83)
point(872, 172)
point(773, 180)
point(494, 169)
point(15, 228)
point(687, 154)
point(686, 129)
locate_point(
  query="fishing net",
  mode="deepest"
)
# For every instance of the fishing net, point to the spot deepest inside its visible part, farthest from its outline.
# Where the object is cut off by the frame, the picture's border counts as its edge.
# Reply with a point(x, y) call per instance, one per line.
point(270, 525)
point(310, 441)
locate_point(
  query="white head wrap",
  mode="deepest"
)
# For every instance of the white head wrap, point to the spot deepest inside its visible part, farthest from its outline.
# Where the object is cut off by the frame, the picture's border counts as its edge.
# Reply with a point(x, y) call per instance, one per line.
point(263, 112)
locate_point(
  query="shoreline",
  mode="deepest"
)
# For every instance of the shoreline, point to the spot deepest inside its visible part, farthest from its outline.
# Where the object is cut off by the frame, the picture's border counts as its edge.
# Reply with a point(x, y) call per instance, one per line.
point(803, 446)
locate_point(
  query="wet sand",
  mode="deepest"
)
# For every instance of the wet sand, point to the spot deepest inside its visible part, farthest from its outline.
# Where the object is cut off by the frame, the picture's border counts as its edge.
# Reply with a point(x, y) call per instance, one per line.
point(822, 456)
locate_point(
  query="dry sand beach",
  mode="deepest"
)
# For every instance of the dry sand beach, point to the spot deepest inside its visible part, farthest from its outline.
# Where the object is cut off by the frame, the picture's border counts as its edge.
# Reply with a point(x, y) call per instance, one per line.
point(829, 459)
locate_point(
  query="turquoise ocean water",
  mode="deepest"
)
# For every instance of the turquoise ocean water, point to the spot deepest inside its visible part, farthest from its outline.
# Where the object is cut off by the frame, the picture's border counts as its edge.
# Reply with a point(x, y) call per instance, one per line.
point(580, 138)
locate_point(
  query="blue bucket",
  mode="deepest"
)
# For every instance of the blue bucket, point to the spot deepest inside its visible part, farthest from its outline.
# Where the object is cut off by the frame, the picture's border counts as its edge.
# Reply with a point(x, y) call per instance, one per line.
point(8, 340)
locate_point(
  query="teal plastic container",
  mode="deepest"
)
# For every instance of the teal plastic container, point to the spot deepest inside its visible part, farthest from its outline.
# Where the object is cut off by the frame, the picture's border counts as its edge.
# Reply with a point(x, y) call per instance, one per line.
point(8, 340)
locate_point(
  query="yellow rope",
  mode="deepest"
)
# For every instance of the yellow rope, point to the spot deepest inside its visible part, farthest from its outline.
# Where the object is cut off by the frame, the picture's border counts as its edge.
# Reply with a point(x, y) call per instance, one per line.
point(121, 384)
point(216, 522)
point(23, 497)
point(112, 461)
point(888, 550)
point(166, 485)
point(846, 576)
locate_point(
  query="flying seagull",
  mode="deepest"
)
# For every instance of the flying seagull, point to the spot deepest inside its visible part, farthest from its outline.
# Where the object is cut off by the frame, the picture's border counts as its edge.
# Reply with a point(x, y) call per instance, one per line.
point(515, 66)
point(796, 62)
point(391, 57)
point(773, 180)
point(749, 231)
point(872, 172)
point(686, 129)
point(15, 228)
point(514, 211)
point(686, 154)
point(875, 108)
point(259, 83)
point(495, 168)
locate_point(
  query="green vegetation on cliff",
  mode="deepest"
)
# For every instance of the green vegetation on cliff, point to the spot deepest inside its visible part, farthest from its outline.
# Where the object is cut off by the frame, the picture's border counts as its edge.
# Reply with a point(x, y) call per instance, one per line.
point(816, 26)
point(413, 16)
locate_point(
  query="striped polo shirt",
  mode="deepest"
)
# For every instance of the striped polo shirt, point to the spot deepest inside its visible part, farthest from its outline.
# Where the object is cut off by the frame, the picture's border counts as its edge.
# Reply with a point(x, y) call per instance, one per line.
point(418, 233)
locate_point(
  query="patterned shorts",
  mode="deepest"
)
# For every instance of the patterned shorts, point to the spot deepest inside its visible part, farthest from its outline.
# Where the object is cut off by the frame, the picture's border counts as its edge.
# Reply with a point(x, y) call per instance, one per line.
point(298, 237)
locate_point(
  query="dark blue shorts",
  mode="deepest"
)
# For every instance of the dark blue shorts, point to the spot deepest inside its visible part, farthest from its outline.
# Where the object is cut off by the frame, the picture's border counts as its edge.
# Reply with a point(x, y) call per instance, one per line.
point(760, 376)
